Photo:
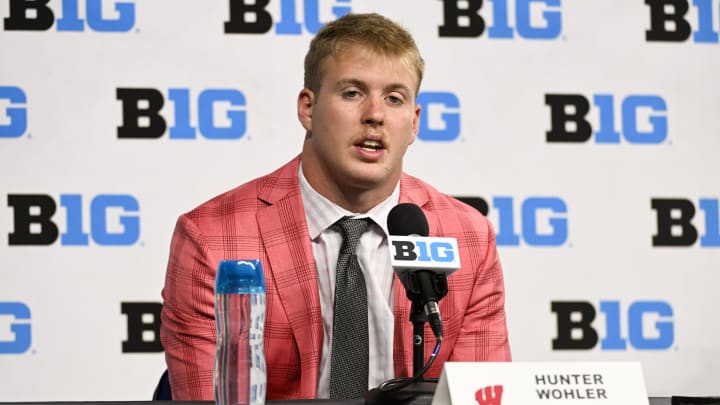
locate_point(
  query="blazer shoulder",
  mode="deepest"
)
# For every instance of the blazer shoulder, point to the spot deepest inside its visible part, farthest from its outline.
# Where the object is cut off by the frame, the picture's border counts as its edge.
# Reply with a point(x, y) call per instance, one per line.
point(249, 197)
point(446, 214)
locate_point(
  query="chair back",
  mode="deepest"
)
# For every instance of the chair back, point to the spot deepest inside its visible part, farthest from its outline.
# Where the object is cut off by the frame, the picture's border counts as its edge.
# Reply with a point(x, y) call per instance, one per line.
point(162, 391)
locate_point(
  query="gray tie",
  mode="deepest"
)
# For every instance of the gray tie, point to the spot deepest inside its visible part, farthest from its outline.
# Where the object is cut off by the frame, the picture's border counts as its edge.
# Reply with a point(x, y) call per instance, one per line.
point(349, 361)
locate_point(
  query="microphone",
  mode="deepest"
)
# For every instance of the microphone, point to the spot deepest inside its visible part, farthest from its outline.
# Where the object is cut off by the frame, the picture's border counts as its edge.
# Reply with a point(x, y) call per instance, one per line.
point(422, 263)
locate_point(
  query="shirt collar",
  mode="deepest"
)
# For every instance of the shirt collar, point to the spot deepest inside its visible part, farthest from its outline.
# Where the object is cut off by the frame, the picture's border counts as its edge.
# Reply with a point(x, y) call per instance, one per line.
point(322, 213)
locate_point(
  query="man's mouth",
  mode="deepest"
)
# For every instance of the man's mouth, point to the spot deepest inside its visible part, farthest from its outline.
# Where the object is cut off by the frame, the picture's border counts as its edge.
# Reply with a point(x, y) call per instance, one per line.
point(371, 145)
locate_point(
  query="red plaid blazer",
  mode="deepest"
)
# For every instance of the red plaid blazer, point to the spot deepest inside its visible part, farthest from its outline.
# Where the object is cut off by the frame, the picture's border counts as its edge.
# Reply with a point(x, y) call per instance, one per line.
point(264, 219)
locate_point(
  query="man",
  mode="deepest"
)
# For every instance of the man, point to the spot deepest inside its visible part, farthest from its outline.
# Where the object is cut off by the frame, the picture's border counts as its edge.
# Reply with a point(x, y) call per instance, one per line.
point(362, 76)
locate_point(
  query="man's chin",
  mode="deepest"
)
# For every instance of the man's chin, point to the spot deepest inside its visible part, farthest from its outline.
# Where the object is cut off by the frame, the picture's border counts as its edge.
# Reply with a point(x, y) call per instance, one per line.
point(374, 180)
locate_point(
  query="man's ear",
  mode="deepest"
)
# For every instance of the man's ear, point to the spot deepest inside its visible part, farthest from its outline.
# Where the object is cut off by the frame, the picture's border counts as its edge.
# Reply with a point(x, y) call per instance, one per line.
point(305, 102)
point(416, 123)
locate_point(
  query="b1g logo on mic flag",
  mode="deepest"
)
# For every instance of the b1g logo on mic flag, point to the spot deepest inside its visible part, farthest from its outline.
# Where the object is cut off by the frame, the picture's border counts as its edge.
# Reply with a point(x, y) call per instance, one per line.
point(424, 252)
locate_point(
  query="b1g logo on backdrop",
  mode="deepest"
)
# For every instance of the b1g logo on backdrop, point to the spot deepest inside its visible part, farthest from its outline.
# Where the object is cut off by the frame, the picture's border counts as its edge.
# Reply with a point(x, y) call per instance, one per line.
point(13, 112)
point(17, 338)
point(674, 222)
point(440, 117)
point(643, 119)
point(74, 15)
point(649, 325)
point(670, 21)
point(532, 19)
point(143, 327)
point(113, 220)
point(220, 113)
point(539, 221)
point(253, 17)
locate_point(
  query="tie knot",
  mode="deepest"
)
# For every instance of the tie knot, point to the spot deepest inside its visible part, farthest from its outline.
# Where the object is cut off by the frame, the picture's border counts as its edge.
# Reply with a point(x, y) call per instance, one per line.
point(352, 229)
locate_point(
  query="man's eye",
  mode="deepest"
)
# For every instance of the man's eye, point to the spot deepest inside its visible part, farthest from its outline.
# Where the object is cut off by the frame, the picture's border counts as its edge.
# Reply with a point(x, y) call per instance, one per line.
point(351, 94)
point(395, 100)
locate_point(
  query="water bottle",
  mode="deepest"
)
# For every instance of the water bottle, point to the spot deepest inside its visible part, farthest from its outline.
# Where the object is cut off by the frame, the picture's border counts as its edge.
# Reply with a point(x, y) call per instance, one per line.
point(240, 371)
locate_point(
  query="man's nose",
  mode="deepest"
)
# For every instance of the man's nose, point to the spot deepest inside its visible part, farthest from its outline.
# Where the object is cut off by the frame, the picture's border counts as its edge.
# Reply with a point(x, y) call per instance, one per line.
point(374, 112)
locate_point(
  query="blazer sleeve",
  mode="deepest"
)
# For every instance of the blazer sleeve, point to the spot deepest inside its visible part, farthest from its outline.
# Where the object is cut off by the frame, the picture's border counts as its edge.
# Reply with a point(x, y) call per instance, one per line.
point(188, 331)
point(483, 333)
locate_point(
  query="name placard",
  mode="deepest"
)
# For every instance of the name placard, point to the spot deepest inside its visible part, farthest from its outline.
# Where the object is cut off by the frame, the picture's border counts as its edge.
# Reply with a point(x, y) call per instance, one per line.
point(529, 383)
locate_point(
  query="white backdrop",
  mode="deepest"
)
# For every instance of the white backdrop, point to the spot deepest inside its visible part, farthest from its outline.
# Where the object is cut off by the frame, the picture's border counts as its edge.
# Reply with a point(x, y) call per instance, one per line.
point(575, 220)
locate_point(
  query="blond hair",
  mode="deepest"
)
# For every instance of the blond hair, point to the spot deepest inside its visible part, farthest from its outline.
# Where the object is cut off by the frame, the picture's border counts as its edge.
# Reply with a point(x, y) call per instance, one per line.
point(370, 31)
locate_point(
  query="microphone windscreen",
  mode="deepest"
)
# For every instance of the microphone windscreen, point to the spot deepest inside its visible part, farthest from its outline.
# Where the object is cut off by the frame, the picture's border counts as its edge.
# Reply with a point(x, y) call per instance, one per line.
point(407, 219)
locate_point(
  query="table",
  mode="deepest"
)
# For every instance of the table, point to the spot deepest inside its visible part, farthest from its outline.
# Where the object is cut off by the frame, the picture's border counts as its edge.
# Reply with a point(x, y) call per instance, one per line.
point(653, 401)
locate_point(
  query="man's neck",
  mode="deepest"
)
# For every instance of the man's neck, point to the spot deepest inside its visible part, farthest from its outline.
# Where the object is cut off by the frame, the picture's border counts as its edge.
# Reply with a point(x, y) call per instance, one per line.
point(353, 199)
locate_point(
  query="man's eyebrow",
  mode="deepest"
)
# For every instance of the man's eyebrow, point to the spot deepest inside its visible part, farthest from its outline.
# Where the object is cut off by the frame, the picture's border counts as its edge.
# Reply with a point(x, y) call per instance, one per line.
point(399, 87)
point(361, 84)
point(350, 82)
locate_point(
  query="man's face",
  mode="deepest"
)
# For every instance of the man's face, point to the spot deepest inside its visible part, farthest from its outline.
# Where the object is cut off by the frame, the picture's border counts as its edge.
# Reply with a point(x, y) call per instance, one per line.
point(359, 124)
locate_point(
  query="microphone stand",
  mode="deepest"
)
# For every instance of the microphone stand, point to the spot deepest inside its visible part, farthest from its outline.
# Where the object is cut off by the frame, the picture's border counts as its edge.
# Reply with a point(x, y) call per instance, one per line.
point(418, 319)
point(419, 392)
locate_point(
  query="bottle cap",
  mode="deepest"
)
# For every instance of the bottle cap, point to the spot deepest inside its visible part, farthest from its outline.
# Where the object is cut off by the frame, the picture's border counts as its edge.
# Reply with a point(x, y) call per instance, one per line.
point(239, 277)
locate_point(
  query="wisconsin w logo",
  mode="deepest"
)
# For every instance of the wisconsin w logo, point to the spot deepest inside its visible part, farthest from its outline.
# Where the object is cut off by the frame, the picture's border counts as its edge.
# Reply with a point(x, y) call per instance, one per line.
point(490, 395)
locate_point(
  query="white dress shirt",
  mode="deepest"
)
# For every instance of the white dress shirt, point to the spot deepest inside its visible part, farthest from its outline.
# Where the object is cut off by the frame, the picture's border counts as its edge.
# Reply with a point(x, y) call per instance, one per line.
point(374, 258)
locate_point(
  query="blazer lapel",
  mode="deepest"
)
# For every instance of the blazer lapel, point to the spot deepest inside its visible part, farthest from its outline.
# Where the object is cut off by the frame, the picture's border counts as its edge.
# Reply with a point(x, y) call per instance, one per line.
point(284, 234)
